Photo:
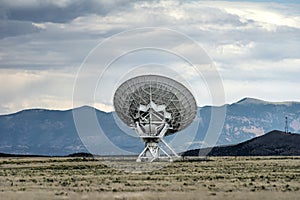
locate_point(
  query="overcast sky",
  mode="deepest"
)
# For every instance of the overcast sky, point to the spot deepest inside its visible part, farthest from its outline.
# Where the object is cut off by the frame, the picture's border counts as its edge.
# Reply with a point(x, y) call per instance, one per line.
point(254, 45)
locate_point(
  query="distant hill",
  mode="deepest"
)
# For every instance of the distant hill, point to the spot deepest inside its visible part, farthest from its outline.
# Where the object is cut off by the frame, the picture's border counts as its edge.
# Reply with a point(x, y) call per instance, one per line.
point(53, 132)
point(19, 155)
point(274, 143)
point(80, 154)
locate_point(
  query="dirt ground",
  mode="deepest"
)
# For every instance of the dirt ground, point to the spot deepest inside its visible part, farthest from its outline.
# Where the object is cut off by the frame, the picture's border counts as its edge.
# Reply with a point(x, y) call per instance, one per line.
point(90, 178)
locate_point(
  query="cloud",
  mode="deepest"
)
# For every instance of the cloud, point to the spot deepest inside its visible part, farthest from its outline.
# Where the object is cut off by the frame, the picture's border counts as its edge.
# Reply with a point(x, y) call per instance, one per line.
point(13, 28)
point(35, 89)
point(24, 16)
point(56, 11)
point(276, 91)
point(254, 45)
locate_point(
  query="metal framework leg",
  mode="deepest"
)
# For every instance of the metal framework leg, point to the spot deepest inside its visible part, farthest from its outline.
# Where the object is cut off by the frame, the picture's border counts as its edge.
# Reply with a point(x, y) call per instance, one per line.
point(172, 150)
point(151, 152)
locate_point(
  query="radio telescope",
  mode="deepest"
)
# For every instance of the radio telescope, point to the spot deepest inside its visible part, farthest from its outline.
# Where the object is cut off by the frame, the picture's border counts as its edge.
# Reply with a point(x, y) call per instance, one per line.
point(155, 106)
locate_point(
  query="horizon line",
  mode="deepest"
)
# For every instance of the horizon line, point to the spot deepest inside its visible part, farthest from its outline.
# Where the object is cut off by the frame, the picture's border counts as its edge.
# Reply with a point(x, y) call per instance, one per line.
point(225, 104)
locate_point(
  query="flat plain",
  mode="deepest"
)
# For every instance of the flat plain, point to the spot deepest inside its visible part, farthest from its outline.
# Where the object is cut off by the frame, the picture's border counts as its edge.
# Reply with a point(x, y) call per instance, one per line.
point(93, 178)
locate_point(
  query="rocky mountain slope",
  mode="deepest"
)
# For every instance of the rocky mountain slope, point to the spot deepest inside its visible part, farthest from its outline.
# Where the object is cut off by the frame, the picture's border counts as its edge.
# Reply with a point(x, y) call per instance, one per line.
point(250, 118)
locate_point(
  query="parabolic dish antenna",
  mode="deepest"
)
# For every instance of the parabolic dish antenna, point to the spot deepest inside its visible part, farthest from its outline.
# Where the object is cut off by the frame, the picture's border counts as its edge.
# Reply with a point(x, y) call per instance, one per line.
point(155, 106)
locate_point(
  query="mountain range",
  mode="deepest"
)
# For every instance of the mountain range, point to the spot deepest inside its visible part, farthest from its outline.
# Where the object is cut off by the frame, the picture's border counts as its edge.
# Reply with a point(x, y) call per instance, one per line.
point(52, 132)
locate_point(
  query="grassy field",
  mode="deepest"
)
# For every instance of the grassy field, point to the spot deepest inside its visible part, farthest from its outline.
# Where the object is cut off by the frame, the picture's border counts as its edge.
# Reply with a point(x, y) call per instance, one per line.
point(86, 178)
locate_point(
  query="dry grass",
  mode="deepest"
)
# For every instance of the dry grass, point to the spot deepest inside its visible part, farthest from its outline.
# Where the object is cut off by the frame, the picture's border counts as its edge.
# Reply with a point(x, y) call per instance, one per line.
point(222, 177)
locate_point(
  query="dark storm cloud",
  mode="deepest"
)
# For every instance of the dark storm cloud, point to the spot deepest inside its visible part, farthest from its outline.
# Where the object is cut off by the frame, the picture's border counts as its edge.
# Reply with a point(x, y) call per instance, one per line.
point(10, 28)
point(18, 17)
point(56, 11)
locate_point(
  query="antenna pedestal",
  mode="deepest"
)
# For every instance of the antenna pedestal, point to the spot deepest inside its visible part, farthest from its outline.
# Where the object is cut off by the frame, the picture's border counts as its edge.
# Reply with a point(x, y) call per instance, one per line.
point(153, 151)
